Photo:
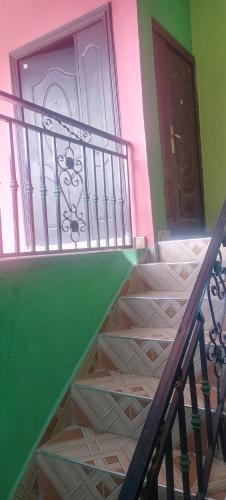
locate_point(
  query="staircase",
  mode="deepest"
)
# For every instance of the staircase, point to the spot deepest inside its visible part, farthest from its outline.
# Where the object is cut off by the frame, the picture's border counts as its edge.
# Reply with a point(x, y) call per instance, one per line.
point(111, 397)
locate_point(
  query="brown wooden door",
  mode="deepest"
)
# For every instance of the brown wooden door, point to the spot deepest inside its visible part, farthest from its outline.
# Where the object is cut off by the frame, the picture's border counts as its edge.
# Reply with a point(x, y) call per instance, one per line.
point(179, 137)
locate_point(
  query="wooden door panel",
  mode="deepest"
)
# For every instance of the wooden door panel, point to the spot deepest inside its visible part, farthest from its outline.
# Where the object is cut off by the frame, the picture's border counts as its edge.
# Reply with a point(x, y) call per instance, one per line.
point(94, 76)
point(184, 133)
point(164, 121)
point(179, 137)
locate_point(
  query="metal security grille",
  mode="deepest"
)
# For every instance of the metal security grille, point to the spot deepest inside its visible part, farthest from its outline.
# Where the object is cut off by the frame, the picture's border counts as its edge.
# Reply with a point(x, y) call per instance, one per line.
point(64, 184)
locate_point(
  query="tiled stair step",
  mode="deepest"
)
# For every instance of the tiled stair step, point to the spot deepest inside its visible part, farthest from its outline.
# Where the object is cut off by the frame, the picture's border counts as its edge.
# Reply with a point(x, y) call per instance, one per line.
point(185, 250)
point(81, 463)
point(142, 351)
point(136, 350)
point(116, 402)
point(163, 309)
point(178, 276)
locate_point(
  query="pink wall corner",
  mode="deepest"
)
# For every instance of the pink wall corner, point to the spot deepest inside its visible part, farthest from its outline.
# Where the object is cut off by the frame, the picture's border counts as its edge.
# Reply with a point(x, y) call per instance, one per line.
point(21, 22)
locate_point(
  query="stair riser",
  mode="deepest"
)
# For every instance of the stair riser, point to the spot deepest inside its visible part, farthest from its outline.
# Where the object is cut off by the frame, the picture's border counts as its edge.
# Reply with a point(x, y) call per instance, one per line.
point(183, 250)
point(144, 357)
point(165, 313)
point(164, 277)
point(61, 480)
point(118, 413)
point(58, 479)
point(94, 484)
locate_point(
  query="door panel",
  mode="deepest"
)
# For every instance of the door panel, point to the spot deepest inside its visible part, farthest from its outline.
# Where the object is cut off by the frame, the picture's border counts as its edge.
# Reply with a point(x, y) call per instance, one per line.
point(179, 138)
point(48, 79)
point(95, 77)
point(73, 79)
point(96, 105)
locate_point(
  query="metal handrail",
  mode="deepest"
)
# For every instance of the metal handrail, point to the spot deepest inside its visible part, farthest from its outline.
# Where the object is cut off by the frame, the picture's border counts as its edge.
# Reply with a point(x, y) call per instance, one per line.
point(80, 182)
point(22, 103)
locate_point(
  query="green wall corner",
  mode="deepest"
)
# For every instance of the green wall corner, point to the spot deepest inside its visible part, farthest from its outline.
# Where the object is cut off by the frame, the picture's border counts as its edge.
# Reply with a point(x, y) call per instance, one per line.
point(208, 20)
point(174, 16)
point(51, 309)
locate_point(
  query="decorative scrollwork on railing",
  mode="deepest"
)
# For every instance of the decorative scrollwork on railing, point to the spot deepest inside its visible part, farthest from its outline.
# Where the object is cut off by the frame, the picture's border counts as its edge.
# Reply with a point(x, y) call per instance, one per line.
point(81, 135)
point(216, 348)
point(71, 184)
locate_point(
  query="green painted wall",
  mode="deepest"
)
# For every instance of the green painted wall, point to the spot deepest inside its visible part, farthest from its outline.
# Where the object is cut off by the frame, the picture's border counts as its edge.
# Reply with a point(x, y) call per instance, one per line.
point(208, 20)
point(174, 15)
point(50, 310)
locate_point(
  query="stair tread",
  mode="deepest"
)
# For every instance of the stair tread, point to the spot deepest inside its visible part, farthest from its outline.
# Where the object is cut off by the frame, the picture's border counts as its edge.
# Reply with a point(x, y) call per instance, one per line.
point(134, 385)
point(141, 333)
point(123, 383)
point(181, 263)
point(104, 450)
point(152, 294)
point(163, 334)
point(112, 453)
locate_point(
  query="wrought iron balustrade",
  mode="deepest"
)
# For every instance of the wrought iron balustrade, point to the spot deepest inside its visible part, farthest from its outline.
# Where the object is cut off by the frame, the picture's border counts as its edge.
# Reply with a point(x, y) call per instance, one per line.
point(64, 185)
point(186, 422)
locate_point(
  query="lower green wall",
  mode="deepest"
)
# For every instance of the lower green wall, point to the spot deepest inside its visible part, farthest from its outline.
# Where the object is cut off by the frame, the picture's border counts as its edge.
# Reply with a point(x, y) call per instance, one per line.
point(208, 20)
point(50, 310)
point(174, 16)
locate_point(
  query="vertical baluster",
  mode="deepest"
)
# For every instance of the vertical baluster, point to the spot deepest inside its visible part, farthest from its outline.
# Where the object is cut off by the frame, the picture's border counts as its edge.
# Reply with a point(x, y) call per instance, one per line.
point(129, 199)
point(206, 388)
point(86, 196)
point(121, 202)
point(14, 188)
point(29, 192)
point(95, 199)
point(222, 436)
point(43, 192)
point(1, 238)
point(197, 428)
point(105, 202)
point(113, 200)
point(57, 194)
point(169, 469)
point(185, 460)
point(155, 491)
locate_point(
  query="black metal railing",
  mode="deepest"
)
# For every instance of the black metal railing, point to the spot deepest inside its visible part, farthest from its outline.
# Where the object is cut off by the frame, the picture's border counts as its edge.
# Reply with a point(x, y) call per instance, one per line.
point(64, 185)
point(185, 422)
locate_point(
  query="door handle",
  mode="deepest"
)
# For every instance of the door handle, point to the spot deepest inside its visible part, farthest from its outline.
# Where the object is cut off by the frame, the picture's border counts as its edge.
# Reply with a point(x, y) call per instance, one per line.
point(173, 135)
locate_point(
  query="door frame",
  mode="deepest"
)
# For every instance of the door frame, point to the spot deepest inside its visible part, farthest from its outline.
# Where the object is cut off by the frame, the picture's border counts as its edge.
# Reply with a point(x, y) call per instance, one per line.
point(183, 52)
point(103, 13)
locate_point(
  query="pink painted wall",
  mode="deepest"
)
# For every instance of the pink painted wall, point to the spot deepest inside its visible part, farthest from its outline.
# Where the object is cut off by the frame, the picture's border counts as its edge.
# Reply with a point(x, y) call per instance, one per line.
point(21, 22)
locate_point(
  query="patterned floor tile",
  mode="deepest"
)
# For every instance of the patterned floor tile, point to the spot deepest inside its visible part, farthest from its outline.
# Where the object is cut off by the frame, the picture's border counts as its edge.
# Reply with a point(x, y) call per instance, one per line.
point(164, 276)
point(164, 310)
point(133, 355)
point(66, 480)
point(85, 445)
point(154, 312)
point(119, 403)
point(183, 250)
point(82, 464)
point(163, 334)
